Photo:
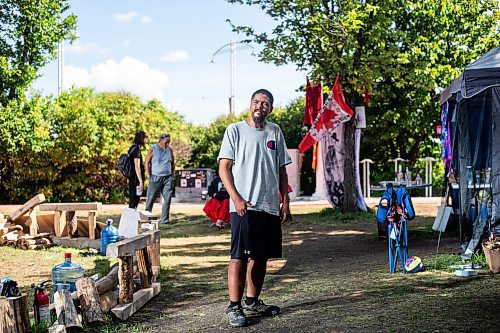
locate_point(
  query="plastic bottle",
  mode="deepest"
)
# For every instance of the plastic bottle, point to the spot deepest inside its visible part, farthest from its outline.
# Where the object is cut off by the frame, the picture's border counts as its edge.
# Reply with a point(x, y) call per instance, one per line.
point(399, 176)
point(65, 275)
point(470, 176)
point(408, 177)
point(418, 179)
point(108, 235)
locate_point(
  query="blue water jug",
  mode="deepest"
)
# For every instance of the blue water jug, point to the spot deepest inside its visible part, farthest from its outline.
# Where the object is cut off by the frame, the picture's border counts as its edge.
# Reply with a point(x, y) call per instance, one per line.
point(65, 275)
point(108, 235)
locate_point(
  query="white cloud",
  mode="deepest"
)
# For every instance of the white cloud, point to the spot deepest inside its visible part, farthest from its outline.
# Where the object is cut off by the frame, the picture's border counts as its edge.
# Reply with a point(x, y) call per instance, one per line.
point(130, 75)
point(146, 19)
point(124, 17)
point(179, 55)
point(79, 47)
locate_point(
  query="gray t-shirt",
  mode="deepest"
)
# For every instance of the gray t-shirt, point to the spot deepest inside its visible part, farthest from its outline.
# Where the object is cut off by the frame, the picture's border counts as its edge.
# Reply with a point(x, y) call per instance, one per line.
point(257, 155)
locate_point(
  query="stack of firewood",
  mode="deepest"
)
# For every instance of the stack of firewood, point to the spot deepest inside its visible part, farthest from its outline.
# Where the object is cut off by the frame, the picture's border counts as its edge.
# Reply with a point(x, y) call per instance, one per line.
point(13, 235)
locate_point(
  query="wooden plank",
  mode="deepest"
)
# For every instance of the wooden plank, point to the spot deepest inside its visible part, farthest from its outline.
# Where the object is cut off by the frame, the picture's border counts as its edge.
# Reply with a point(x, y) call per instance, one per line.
point(79, 243)
point(35, 201)
point(141, 297)
point(70, 206)
point(57, 223)
point(72, 222)
point(92, 223)
point(126, 279)
point(144, 265)
point(33, 221)
point(127, 247)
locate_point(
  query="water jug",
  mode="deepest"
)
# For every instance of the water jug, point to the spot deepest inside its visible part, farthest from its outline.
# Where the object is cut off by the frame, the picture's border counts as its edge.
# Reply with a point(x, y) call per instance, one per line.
point(65, 275)
point(108, 235)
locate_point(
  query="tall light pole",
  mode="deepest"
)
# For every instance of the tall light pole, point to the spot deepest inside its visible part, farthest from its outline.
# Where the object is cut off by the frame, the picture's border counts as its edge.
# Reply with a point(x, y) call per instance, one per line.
point(60, 68)
point(232, 50)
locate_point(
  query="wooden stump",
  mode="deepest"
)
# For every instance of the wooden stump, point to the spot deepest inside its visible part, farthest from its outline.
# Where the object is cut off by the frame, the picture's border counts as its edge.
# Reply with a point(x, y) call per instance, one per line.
point(144, 265)
point(108, 300)
point(14, 314)
point(126, 279)
point(65, 309)
point(89, 300)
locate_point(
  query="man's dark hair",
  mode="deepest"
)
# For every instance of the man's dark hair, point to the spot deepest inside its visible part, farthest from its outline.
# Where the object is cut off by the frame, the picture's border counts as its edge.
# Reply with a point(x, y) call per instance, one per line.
point(265, 92)
point(139, 138)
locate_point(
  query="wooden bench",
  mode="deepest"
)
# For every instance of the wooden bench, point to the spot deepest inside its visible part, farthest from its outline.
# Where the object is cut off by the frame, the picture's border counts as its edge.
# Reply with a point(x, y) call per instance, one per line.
point(146, 247)
point(65, 216)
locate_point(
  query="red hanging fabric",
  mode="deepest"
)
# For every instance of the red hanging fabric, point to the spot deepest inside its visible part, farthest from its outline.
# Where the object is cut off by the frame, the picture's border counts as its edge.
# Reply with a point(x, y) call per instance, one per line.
point(335, 111)
point(314, 100)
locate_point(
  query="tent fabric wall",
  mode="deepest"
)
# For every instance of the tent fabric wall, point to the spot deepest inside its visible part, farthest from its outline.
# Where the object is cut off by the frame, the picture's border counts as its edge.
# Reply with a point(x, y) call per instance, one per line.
point(495, 154)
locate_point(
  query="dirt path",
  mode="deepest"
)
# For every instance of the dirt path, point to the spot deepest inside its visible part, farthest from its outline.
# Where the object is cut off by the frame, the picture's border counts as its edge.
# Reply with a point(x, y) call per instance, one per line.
point(333, 278)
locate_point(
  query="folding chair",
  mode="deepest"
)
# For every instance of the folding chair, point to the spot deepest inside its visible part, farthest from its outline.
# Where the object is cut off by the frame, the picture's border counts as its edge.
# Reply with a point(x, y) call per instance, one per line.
point(398, 238)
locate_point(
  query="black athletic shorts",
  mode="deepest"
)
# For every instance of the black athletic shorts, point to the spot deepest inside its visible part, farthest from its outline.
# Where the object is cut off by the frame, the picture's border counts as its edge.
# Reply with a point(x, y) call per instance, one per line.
point(256, 235)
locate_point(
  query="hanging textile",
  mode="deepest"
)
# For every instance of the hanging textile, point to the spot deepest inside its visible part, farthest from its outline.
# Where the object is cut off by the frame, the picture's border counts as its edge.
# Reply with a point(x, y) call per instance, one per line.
point(314, 101)
point(332, 151)
point(445, 136)
point(335, 111)
point(314, 157)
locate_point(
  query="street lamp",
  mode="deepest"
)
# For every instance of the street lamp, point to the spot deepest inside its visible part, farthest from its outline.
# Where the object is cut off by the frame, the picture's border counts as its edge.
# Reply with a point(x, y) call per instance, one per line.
point(232, 50)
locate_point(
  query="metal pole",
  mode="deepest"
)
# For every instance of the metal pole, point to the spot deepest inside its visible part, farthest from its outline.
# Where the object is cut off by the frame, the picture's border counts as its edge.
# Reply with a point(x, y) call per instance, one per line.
point(233, 76)
point(60, 70)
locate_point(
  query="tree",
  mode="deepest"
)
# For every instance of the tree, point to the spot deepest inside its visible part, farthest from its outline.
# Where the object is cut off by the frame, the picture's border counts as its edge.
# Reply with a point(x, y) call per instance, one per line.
point(31, 32)
point(400, 51)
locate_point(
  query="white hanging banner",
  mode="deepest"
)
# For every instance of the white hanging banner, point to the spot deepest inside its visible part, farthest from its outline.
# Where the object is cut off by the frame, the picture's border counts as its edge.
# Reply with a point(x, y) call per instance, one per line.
point(332, 147)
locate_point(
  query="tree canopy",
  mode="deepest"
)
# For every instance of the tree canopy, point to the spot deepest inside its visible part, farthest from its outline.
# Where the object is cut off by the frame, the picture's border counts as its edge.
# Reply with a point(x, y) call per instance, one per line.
point(400, 52)
point(31, 32)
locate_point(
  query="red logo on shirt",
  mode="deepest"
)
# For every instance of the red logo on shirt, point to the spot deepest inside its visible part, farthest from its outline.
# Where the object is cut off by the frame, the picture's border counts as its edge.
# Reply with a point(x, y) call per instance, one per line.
point(271, 144)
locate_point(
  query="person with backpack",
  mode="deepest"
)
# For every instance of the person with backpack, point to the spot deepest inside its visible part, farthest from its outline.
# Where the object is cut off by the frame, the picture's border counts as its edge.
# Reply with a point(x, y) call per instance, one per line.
point(136, 176)
point(160, 168)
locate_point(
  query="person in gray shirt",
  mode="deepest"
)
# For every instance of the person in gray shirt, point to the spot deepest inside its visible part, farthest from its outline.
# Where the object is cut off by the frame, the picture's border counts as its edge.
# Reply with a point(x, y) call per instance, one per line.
point(160, 167)
point(252, 162)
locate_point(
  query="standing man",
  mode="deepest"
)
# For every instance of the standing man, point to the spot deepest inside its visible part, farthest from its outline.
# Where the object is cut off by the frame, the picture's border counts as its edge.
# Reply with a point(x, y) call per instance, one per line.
point(160, 167)
point(252, 162)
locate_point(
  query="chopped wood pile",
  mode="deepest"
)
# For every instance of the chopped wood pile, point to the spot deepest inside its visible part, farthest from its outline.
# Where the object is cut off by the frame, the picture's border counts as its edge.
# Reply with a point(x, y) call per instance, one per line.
point(13, 235)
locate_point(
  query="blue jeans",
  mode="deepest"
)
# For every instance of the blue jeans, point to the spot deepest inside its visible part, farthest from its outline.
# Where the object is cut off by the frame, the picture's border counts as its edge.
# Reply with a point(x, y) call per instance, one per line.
point(163, 184)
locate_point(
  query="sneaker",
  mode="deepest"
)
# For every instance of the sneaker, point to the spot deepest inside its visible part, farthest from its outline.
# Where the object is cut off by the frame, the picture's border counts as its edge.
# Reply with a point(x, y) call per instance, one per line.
point(260, 308)
point(235, 316)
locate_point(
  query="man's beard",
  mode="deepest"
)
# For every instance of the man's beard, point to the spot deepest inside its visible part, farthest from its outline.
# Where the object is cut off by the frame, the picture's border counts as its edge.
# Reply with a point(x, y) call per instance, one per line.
point(258, 120)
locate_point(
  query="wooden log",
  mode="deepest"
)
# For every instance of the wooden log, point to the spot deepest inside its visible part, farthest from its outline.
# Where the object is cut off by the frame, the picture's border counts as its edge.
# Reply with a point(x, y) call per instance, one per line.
point(72, 222)
point(35, 201)
point(71, 206)
point(33, 221)
point(126, 279)
point(124, 311)
point(65, 309)
point(41, 235)
point(92, 223)
point(144, 265)
point(108, 300)
point(109, 281)
point(14, 314)
point(89, 300)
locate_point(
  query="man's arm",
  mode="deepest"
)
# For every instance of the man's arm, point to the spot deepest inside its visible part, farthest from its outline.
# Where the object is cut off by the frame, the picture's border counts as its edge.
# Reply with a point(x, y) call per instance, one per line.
point(285, 207)
point(173, 160)
point(227, 179)
point(137, 164)
point(147, 163)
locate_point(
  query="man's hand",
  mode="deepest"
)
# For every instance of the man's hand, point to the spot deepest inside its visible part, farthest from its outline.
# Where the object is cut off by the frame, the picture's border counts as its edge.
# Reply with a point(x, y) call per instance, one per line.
point(241, 206)
point(285, 213)
point(141, 186)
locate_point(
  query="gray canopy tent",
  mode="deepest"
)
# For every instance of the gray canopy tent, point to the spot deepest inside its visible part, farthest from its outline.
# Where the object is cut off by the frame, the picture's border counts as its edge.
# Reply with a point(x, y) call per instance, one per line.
point(471, 140)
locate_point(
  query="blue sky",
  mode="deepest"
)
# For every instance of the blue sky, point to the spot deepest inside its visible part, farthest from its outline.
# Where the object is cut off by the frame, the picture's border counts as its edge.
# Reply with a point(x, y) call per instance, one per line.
point(162, 49)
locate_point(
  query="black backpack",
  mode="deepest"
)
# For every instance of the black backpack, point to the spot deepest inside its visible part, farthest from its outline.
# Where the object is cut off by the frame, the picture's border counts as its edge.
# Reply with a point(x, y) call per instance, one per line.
point(124, 164)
